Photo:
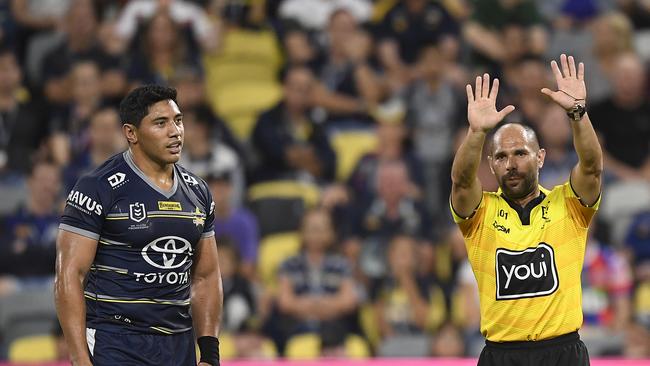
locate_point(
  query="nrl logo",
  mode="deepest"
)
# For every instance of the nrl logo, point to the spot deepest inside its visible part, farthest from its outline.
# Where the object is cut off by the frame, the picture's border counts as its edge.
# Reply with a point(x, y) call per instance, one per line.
point(137, 212)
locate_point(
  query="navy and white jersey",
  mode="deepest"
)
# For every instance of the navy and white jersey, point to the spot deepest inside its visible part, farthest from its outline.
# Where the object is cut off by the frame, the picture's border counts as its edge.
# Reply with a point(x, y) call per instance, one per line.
point(139, 281)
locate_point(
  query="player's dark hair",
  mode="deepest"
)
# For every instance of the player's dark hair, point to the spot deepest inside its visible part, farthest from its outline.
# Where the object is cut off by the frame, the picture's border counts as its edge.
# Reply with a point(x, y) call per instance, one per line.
point(135, 106)
point(529, 131)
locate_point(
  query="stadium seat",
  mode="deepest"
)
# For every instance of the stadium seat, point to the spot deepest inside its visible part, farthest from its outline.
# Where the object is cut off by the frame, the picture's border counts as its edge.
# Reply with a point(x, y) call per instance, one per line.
point(356, 347)
point(308, 347)
point(350, 146)
point(227, 348)
point(368, 321)
point(26, 313)
point(279, 205)
point(241, 79)
point(37, 348)
point(274, 249)
point(303, 347)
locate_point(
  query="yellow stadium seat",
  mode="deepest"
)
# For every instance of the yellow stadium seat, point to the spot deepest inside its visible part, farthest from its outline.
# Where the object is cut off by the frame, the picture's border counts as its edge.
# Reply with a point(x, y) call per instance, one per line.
point(642, 299)
point(356, 347)
point(279, 205)
point(350, 146)
point(368, 321)
point(241, 78)
point(303, 347)
point(38, 348)
point(227, 348)
point(269, 350)
point(274, 249)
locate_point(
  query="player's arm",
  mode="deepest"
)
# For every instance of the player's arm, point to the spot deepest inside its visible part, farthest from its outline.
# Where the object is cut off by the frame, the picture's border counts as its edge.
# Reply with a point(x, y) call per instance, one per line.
point(483, 116)
point(586, 175)
point(75, 254)
point(207, 298)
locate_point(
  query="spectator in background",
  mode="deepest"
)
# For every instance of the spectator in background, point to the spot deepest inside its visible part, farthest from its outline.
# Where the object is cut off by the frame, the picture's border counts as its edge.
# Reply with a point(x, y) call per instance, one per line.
point(240, 313)
point(348, 88)
point(626, 147)
point(233, 223)
point(299, 48)
point(289, 144)
point(105, 140)
point(433, 110)
point(30, 18)
point(21, 121)
point(501, 31)
point(555, 137)
point(525, 78)
point(374, 220)
point(316, 290)
point(209, 152)
point(606, 294)
point(163, 49)
point(180, 12)
point(80, 42)
point(391, 146)
point(69, 125)
point(27, 256)
point(408, 28)
point(406, 304)
point(316, 14)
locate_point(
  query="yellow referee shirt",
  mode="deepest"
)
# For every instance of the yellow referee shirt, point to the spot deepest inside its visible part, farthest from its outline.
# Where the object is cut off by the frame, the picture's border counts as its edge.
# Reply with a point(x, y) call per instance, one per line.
point(527, 262)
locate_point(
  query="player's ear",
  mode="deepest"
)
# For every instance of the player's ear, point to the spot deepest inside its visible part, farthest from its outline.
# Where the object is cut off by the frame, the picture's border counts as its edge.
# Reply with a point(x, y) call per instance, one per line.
point(541, 155)
point(130, 132)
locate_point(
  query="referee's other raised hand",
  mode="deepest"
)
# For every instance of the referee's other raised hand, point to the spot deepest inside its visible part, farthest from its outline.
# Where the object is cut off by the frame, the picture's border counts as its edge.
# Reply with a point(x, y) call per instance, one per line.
point(482, 113)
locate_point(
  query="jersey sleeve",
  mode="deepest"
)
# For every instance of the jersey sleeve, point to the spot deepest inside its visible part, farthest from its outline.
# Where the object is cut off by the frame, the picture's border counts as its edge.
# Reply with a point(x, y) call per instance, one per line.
point(469, 225)
point(580, 212)
point(208, 228)
point(85, 208)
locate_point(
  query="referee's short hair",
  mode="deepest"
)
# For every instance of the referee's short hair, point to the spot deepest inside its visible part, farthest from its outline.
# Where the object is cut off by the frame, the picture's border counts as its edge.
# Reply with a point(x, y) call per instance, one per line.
point(135, 106)
point(529, 131)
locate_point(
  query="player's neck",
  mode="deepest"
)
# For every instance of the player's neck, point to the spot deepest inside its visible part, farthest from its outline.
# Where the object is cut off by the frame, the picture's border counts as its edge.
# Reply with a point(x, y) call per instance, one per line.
point(531, 196)
point(161, 175)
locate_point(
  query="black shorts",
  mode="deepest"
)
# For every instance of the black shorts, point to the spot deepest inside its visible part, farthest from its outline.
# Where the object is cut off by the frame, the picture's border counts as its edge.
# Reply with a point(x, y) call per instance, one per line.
point(110, 349)
point(565, 350)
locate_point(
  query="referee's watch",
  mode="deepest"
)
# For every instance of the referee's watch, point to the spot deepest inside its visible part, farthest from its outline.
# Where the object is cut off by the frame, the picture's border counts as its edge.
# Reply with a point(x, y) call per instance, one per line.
point(576, 112)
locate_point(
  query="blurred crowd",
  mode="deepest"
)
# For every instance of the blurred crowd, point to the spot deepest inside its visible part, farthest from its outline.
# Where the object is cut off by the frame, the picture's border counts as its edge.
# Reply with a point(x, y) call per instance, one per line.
point(326, 131)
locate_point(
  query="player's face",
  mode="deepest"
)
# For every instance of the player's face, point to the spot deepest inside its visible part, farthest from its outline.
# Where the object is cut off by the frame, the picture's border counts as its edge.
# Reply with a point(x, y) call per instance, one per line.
point(515, 162)
point(160, 134)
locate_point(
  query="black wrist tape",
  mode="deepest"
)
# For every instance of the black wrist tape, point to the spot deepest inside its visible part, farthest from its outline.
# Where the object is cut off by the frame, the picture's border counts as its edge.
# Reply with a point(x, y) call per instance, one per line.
point(209, 349)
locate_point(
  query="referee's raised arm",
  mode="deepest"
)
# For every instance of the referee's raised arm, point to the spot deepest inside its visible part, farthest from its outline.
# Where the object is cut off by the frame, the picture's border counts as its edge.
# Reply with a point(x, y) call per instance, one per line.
point(572, 96)
point(483, 116)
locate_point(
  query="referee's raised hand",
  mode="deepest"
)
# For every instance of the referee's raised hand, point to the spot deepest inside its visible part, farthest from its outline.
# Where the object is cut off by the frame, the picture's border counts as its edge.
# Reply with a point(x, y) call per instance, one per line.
point(481, 105)
point(570, 83)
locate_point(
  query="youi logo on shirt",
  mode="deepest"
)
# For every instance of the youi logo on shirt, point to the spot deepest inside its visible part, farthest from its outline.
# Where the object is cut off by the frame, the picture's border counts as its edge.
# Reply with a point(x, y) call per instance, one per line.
point(527, 273)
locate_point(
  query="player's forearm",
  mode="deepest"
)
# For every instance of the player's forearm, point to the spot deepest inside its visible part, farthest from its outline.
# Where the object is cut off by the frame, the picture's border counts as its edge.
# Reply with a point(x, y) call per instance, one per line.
point(207, 304)
point(587, 147)
point(484, 41)
point(71, 311)
point(467, 160)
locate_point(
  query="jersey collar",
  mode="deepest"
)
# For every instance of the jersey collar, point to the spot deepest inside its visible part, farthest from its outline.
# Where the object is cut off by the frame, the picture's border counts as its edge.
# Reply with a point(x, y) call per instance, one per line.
point(524, 212)
point(131, 163)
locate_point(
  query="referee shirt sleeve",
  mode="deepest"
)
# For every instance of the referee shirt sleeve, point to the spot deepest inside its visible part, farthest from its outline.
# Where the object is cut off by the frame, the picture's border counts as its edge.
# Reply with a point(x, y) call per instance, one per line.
point(469, 225)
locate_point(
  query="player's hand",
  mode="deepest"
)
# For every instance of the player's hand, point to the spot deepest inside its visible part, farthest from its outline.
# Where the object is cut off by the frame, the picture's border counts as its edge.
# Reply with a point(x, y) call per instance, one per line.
point(570, 83)
point(481, 105)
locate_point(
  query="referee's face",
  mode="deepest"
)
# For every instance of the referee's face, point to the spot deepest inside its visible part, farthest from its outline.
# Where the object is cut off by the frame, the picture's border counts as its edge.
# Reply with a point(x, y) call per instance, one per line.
point(160, 134)
point(515, 161)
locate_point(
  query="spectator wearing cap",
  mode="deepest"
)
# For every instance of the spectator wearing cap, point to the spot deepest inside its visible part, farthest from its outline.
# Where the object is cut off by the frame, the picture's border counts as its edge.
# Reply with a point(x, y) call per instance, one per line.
point(290, 145)
point(233, 223)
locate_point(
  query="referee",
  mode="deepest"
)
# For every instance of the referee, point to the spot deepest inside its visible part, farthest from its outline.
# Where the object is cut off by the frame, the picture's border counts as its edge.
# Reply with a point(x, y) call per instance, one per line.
point(526, 244)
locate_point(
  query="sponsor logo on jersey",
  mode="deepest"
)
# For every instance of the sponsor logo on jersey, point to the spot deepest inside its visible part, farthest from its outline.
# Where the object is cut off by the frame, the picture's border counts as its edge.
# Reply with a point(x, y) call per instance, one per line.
point(169, 206)
point(527, 273)
point(199, 217)
point(137, 212)
point(499, 227)
point(189, 179)
point(167, 252)
point(116, 179)
point(84, 203)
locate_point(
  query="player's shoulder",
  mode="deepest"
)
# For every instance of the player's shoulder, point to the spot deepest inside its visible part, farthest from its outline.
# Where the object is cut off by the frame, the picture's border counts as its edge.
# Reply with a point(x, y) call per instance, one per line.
point(191, 179)
point(110, 174)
